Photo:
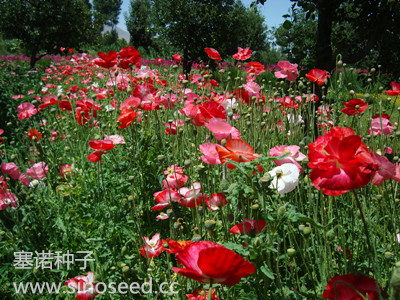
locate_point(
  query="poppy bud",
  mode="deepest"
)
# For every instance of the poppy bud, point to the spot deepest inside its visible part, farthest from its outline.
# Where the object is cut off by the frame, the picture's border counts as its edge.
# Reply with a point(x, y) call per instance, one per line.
point(388, 255)
point(196, 238)
point(123, 250)
point(307, 231)
point(169, 212)
point(291, 252)
point(210, 224)
point(200, 210)
point(301, 227)
point(281, 211)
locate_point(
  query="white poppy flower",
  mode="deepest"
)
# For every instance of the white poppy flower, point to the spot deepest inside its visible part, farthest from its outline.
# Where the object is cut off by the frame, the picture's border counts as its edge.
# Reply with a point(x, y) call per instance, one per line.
point(284, 178)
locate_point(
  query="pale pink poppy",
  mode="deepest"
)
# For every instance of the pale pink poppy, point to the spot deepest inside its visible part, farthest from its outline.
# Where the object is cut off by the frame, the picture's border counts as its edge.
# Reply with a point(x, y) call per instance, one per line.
point(386, 171)
point(162, 216)
point(287, 70)
point(294, 156)
point(252, 88)
point(38, 171)
point(26, 110)
point(116, 139)
point(10, 169)
point(378, 128)
point(210, 152)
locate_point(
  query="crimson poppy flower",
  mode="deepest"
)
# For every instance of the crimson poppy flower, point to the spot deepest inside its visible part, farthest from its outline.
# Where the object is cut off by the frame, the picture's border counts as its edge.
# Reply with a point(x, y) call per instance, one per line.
point(340, 162)
point(250, 226)
point(395, 91)
point(344, 287)
point(209, 262)
point(242, 54)
point(212, 53)
point(177, 246)
point(212, 109)
point(85, 285)
point(106, 61)
point(96, 155)
point(102, 145)
point(34, 134)
point(152, 247)
point(236, 150)
point(126, 118)
point(318, 76)
point(177, 57)
point(128, 56)
point(354, 107)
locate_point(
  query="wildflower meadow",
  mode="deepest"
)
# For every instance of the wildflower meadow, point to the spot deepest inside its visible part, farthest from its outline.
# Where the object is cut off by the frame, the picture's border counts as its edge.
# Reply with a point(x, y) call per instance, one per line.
point(125, 178)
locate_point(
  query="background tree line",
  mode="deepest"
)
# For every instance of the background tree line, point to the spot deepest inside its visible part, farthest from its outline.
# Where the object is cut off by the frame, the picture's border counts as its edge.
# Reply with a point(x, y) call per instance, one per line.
point(365, 33)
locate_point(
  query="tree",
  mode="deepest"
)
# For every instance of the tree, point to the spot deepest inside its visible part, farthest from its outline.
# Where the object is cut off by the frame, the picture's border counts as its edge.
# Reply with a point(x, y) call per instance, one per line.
point(192, 25)
point(139, 23)
point(107, 11)
point(43, 26)
point(350, 28)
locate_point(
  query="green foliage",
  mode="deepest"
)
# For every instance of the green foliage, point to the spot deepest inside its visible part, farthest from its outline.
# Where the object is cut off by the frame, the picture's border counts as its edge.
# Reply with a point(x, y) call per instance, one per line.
point(107, 11)
point(45, 26)
point(139, 23)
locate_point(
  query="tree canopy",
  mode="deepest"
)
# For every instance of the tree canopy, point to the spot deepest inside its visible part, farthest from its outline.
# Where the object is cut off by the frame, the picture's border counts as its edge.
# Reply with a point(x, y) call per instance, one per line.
point(43, 26)
point(107, 11)
point(354, 29)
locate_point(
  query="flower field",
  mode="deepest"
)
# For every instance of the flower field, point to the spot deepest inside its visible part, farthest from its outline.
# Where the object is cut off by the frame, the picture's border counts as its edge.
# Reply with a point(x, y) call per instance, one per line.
point(236, 181)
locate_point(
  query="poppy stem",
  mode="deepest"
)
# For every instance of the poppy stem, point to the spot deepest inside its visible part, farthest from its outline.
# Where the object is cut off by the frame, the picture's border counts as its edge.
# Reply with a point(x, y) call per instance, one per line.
point(370, 250)
point(210, 290)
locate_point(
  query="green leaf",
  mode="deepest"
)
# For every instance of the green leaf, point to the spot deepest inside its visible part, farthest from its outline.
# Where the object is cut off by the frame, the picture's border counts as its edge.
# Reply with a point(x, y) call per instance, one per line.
point(267, 272)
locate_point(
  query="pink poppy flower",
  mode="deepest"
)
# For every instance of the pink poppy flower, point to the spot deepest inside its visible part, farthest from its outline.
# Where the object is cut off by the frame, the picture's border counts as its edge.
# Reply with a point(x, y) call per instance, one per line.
point(152, 248)
point(173, 126)
point(26, 110)
point(116, 139)
point(162, 216)
point(7, 198)
point(85, 286)
point(287, 70)
point(175, 178)
point(131, 102)
point(210, 152)
point(252, 88)
point(380, 126)
point(294, 155)
point(38, 171)
point(242, 54)
point(24, 179)
point(10, 169)
point(386, 170)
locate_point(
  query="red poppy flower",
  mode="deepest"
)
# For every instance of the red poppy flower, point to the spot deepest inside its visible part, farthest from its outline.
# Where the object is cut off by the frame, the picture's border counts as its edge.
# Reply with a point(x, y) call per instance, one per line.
point(65, 170)
point(255, 67)
point(212, 53)
point(95, 156)
point(177, 57)
point(106, 61)
point(165, 197)
point(207, 262)
point(216, 201)
point(152, 247)
point(126, 118)
point(354, 107)
point(177, 246)
point(340, 162)
point(202, 294)
point(48, 100)
point(343, 287)
point(102, 145)
point(395, 91)
point(250, 226)
point(85, 286)
point(129, 56)
point(242, 54)
point(236, 150)
point(212, 109)
point(318, 76)
point(33, 133)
